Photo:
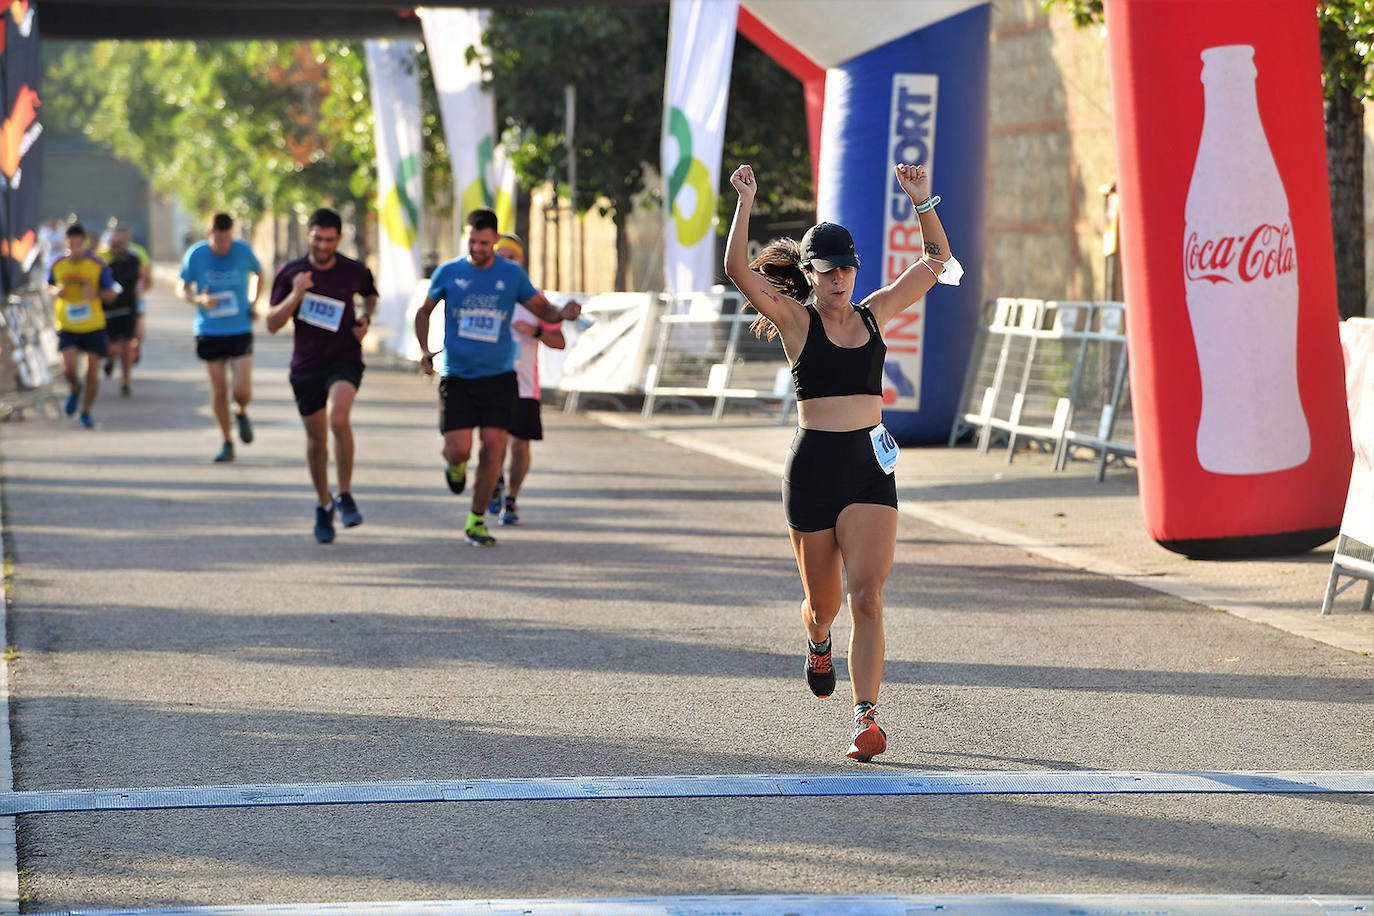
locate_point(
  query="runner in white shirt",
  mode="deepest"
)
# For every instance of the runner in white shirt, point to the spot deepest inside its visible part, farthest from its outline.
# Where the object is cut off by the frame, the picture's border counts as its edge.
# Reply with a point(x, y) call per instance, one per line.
point(529, 332)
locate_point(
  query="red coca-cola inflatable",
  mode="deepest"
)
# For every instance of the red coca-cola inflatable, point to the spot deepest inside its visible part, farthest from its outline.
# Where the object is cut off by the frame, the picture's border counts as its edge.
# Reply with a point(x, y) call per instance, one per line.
point(1242, 434)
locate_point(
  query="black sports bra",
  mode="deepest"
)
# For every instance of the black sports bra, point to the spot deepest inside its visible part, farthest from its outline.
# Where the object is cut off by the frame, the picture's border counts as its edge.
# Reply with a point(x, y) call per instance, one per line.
point(824, 370)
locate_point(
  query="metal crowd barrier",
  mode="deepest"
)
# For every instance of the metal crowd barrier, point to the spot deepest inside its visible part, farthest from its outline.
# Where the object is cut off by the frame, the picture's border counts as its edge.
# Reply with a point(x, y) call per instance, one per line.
point(607, 349)
point(28, 355)
point(1052, 375)
point(1355, 561)
point(704, 350)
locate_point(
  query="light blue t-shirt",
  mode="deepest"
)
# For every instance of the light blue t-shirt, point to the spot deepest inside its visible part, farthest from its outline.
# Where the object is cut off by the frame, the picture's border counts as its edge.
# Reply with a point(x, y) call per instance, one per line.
point(225, 277)
point(478, 305)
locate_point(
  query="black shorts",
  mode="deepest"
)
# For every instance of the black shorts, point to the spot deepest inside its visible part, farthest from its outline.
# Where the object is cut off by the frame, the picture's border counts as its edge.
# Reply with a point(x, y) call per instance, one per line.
point(97, 342)
point(527, 424)
point(488, 402)
point(121, 327)
point(229, 346)
point(827, 472)
point(312, 388)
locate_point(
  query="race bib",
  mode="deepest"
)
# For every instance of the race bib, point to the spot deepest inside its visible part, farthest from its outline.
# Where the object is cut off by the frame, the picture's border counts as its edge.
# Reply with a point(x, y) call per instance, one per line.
point(321, 311)
point(480, 324)
point(226, 305)
point(884, 448)
point(78, 312)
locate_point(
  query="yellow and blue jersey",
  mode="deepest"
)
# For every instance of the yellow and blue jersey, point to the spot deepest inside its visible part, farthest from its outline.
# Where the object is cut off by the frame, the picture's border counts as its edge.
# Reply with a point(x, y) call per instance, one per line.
point(75, 311)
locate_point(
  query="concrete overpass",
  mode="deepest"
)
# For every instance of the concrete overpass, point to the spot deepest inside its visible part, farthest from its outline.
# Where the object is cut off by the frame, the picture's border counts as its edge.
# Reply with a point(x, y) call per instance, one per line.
point(227, 20)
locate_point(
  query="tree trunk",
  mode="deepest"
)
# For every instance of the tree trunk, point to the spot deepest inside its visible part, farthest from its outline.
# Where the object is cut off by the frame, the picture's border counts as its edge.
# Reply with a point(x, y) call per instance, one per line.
point(622, 255)
point(522, 215)
point(1345, 165)
point(364, 224)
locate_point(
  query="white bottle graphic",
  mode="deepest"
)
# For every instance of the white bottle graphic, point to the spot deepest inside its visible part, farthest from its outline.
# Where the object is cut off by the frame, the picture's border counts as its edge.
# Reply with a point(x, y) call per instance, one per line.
point(1241, 279)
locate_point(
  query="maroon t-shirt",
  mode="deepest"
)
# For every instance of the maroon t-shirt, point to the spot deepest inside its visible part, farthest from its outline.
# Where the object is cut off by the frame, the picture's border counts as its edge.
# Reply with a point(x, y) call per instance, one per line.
point(324, 320)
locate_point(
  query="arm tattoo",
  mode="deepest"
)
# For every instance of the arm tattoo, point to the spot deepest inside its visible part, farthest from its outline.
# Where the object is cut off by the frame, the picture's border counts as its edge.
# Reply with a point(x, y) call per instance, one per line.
point(933, 249)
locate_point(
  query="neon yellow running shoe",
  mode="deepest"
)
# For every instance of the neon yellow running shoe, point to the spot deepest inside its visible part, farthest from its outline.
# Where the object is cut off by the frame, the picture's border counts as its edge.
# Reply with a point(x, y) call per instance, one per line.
point(477, 535)
point(456, 476)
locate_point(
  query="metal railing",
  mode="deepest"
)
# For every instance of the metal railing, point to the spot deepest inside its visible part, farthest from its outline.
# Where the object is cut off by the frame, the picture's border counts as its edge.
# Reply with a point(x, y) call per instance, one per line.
point(704, 350)
point(1052, 375)
point(28, 355)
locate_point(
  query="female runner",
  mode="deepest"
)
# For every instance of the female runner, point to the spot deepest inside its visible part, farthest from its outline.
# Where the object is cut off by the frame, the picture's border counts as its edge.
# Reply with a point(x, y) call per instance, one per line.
point(839, 494)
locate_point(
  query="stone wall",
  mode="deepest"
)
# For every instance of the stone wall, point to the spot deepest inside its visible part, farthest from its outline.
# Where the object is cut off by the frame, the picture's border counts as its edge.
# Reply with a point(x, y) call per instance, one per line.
point(1050, 155)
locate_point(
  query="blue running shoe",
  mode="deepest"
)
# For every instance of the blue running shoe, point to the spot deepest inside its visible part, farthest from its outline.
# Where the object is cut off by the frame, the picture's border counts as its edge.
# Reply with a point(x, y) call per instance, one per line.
point(509, 513)
point(73, 401)
point(86, 421)
point(494, 506)
point(324, 524)
point(348, 510)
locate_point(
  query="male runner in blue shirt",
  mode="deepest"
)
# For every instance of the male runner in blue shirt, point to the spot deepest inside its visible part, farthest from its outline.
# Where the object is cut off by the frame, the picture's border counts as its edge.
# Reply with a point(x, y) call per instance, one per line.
point(477, 385)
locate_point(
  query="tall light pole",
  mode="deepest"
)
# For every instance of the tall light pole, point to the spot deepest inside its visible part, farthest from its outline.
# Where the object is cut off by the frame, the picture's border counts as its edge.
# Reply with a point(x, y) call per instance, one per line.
point(569, 132)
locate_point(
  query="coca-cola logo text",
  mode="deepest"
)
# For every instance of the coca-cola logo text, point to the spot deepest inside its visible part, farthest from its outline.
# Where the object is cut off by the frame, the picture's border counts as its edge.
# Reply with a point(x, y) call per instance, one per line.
point(1265, 252)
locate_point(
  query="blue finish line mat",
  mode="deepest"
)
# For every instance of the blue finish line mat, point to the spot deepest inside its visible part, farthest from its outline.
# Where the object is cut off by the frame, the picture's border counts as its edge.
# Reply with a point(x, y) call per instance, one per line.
point(988, 782)
point(806, 905)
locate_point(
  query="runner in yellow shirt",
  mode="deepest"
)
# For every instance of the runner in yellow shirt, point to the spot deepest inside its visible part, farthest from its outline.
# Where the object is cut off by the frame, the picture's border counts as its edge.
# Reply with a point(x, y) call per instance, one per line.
point(81, 284)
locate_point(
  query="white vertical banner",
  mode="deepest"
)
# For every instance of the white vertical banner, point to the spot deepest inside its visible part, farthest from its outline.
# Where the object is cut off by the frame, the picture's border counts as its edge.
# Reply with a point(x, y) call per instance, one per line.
point(392, 74)
point(504, 190)
point(701, 48)
point(468, 111)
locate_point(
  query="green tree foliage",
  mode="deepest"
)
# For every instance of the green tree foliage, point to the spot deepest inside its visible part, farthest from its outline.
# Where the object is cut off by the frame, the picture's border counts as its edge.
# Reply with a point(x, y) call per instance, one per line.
point(248, 127)
point(615, 61)
point(765, 126)
point(617, 64)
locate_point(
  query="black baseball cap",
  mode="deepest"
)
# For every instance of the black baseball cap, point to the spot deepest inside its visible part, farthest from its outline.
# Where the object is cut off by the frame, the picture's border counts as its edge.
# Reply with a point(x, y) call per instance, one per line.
point(827, 246)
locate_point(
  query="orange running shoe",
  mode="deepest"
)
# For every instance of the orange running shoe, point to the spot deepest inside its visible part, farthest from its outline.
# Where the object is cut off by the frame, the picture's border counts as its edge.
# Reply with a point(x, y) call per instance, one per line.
point(820, 671)
point(869, 740)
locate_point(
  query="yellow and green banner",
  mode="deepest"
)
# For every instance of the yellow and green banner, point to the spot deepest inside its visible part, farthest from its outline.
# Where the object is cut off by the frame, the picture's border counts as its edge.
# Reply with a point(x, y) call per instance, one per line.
point(395, 85)
point(701, 48)
point(468, 112)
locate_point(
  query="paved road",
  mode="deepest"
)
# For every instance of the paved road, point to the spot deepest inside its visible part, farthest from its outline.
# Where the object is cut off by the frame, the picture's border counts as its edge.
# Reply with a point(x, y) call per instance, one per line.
point(177, 625)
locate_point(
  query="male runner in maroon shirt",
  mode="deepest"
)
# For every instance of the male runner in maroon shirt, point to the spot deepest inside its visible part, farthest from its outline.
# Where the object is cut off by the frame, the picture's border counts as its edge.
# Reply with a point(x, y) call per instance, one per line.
point(320, 291)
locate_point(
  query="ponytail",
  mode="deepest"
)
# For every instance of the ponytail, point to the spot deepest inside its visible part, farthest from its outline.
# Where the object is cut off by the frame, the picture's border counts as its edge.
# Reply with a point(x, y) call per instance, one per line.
point(780, 264)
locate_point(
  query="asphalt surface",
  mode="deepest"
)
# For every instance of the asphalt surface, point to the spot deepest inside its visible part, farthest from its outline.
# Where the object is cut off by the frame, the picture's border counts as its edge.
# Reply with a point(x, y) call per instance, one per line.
point(176, 624)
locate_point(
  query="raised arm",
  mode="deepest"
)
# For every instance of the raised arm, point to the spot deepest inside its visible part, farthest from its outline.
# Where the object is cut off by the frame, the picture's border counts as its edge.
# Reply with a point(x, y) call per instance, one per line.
point(543, 308)
point(920, 275)
point(783, 311)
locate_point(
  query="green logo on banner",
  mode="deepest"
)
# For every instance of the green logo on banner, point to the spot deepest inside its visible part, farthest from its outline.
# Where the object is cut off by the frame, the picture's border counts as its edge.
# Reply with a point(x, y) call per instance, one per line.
point(400, 216)
point(477, 194)
point(689, 172)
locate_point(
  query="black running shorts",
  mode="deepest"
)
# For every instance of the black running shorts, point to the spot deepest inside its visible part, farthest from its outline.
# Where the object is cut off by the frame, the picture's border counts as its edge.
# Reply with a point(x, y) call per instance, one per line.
point(228, 346)
point(121, 327)
point(828, 471)
point(97, 342)
point(312, 388)
point(467, 403)
point(528, 424)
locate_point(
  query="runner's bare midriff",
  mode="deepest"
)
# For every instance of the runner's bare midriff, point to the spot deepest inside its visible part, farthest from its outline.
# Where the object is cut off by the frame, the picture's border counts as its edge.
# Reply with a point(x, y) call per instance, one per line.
point(840, 414)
